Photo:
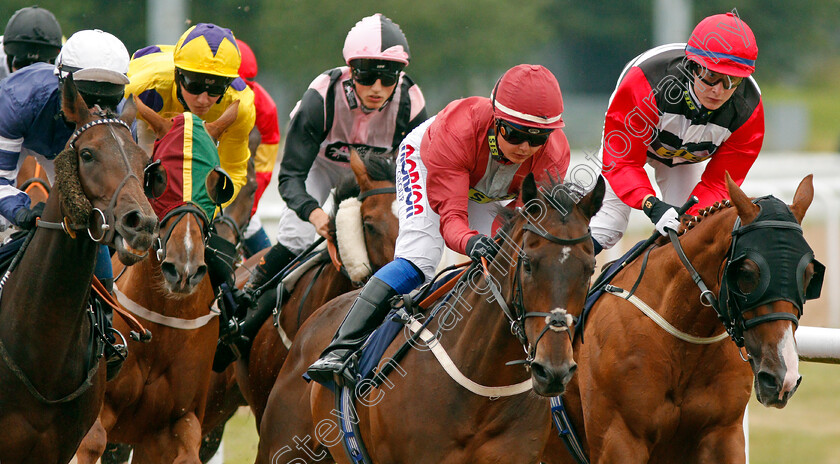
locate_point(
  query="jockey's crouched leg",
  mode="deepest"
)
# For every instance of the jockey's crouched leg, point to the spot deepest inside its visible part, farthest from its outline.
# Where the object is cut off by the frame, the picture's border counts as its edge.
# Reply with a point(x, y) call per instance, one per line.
point(220, 257)
point(365, 315)
point(115, 351)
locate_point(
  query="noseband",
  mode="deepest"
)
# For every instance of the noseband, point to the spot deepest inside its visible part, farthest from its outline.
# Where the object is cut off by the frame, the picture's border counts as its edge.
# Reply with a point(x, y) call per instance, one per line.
point(557, 320)
point(179, 213)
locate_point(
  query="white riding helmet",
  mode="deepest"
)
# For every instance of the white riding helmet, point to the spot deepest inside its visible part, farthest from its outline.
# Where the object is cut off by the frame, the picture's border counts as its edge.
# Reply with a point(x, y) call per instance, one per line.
point(93, 55)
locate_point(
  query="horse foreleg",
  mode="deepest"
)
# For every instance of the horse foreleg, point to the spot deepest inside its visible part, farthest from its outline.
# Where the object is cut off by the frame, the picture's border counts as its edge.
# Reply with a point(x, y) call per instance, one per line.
point(615, 444)
point(92, 445)
point(724, 444)
point(179, 444)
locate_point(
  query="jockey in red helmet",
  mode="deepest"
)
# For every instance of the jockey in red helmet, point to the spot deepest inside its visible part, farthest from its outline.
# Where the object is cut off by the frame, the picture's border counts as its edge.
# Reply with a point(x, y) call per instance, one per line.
point(691, 112)
point(475, 152)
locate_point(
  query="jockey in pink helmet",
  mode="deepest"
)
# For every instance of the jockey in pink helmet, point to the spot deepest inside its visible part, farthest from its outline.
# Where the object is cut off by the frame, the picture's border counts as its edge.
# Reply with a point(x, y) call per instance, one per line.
point(692, 112)
point(450, 171)
point(368, 105)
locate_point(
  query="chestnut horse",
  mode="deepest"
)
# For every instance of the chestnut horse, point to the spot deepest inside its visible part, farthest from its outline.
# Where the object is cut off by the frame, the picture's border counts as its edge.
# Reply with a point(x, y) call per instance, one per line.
point(642, 394)
point(51, 382)
point(535, 286)
point(157, 401)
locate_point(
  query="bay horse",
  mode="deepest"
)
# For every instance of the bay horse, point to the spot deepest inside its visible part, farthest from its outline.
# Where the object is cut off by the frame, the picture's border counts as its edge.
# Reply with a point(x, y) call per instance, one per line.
point(373, 186)
point(642, 394)
point(157, 401)
point(52, 380)
point(419, 413)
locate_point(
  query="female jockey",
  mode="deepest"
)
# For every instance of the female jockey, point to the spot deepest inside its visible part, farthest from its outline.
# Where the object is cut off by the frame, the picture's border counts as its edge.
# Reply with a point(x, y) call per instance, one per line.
point(369, 105)
point(255, 238)
point(31, 123)
point(675, 107)
point(448, 171)
point(200, 74)
point(32, 35)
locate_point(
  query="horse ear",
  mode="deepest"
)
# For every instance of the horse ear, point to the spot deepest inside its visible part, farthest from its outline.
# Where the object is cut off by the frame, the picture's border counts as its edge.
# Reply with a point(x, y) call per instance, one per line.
point(359, 169)
point(217, 127)
point(160, 125)
point(72, 104)
point(803, 197)
point(747, 210)
point(129, 112)
point(591, 203)
point(529, 190)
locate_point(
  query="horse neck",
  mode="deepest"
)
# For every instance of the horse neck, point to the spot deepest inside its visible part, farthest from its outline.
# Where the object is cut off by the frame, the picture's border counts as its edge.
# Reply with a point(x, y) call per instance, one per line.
point(46, 295)
point(481, 332)
point(706, 247)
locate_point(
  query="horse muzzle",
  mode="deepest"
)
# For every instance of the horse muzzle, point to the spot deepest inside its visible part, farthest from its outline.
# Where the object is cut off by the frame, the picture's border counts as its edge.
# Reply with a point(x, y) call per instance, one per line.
point(135, 233)
point(551, 380)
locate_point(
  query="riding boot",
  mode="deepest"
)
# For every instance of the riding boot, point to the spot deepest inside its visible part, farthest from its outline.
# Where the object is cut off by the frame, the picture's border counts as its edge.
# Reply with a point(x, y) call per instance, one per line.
point(365, 315)
point(277, 258)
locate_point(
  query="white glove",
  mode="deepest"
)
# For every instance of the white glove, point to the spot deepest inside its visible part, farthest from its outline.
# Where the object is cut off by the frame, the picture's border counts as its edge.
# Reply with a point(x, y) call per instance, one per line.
point(669, 219)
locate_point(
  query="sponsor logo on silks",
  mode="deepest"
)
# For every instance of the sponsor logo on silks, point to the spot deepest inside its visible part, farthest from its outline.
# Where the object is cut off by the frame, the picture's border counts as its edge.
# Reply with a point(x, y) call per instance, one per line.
point(682, 153)
point(480, 197)
point(340, 151)
point(411, 192)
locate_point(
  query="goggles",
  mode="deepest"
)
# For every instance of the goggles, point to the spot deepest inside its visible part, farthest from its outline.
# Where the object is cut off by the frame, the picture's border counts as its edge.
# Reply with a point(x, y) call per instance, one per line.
point(367, 72)
point(712, 78)
point(515, 134)
point(198, 83)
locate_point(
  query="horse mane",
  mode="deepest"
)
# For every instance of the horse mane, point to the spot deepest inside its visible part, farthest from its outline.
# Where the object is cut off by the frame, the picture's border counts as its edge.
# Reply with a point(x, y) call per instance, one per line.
point(562, 196)
point(380, 167)
point(704, 213)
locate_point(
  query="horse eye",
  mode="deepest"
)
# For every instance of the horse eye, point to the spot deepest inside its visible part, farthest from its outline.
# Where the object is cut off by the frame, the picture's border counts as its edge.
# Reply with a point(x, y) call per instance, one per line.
point(370, 227)
point(748, 277)
point(86, 155)
point(526, 265)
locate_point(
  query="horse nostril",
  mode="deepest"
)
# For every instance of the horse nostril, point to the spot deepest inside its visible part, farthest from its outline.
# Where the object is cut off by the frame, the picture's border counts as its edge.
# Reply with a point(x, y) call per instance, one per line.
point(170, 273)
point(767, 381)
point(540, 372)
point(131, 220)
point(195, 279)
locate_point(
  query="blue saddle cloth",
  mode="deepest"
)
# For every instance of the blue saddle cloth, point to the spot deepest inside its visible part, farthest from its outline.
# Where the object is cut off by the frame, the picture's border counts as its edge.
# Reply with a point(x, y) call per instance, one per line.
point(598, 287)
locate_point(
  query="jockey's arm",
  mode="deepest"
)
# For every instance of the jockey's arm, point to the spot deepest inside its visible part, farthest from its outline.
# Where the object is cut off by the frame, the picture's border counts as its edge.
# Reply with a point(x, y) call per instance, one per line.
point(629, 126)
point(233, 146)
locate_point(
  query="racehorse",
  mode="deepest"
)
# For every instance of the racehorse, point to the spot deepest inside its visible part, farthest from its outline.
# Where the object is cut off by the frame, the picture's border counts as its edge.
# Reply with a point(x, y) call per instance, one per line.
point(157, 401)
point(642, 394)
point(525, 300)
point(52, 377)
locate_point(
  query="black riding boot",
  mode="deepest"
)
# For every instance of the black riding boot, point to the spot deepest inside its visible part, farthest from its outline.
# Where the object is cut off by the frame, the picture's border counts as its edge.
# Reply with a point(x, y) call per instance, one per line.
point(366, 314)
point(277, 258)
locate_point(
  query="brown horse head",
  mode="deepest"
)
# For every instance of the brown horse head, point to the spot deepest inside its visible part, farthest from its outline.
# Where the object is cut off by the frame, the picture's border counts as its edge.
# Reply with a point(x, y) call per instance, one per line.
point(554, 266)
point(185, 217)
point(379, 218)
point(109, 165)
point(772, 278)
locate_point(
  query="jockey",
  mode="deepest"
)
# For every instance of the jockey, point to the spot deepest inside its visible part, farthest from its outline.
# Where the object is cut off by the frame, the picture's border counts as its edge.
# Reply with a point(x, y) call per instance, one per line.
point(369, 105)
point(449, 172)
point(31, 122)
point(32, 35)
point(675, 107)
point(266, 155)
point(200, 75)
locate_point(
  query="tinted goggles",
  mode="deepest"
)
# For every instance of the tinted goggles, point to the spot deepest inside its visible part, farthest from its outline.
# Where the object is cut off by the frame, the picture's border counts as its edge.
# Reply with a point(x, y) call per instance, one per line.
point(712, 79)
point(196, 83)
point(369, 77)
point(515, 134)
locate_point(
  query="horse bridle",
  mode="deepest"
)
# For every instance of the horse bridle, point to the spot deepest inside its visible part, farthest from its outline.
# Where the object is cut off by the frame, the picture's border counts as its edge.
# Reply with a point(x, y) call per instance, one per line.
point(179, 212)
point(725, 305)
point(557, 320)
point(107, 229)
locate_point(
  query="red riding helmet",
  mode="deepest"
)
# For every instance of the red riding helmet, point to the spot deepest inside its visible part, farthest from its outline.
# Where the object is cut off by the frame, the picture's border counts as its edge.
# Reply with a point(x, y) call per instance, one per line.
point(529, 95)
point(724, 44)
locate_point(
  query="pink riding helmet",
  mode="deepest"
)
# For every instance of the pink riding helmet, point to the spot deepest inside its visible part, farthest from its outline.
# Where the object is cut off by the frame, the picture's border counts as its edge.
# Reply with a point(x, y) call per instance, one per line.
point(376, 38)
point(529, 95)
